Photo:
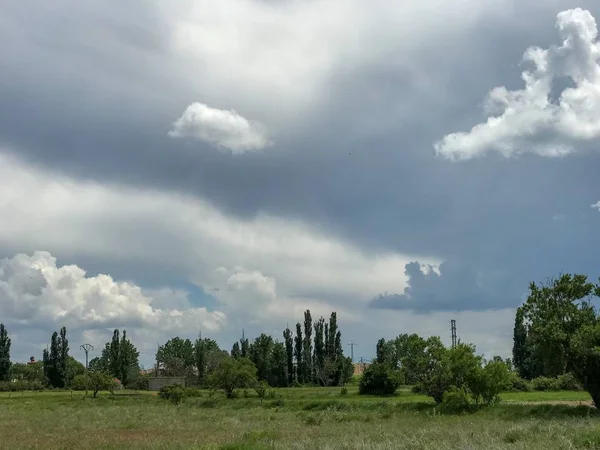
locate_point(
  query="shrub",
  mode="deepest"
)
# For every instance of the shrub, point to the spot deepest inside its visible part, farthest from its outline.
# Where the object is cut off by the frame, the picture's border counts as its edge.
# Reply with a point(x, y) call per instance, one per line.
point(379, 379)
point(231, 374)
point(486, 383)
point(455, 401)
point(518, 384)
point(174, 393)
point(545, 384)
point(80, 383)
point(568, 382)
point(193, 392)
point(261, 389)
point(142, 383)
point(344, 391)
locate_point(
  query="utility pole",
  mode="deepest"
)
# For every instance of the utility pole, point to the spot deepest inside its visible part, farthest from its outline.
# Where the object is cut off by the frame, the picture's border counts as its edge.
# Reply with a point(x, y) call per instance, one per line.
point(453, 331)
point(352, 345)
point(86, 348)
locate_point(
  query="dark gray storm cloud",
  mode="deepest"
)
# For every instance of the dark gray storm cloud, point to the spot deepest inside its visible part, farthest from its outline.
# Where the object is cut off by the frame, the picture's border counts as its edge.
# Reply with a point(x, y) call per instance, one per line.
point(458, 286)
point(92, 91)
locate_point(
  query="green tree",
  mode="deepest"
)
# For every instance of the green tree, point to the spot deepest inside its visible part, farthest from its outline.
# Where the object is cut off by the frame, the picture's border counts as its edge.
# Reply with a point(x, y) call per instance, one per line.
point(55, 360)
point(486, 383)
point(279, 369)
point(520, 349)
point(231, 374)
point(298, 342)
point(585, 346)
point(289, 352)
point(261, 355)
point(380, 379)
point(554, 312)
point(119, 358)
point(74, 368)
point(207, 353)
point(99, 381)
point(244, 345)
point(307, 364)
point(319, 347)
point(409, 353)
point(63, 357)
point(236, 353)
point(176, 357)
point(5, 363)
point(386, 353)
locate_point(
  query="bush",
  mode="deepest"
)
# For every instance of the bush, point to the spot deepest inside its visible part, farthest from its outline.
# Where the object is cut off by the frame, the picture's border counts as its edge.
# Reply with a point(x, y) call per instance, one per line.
point(80, 383)
point(379, 379)
point(193, 392)
point(174, 393)
point(568, 382)
point(455, 401)
point(21, 385)
point(545, 384)
point(344, 391)
point(142, 383)
point(518, 384)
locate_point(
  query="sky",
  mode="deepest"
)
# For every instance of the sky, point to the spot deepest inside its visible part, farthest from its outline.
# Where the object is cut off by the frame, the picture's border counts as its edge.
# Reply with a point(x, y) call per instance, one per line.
point(171, 168)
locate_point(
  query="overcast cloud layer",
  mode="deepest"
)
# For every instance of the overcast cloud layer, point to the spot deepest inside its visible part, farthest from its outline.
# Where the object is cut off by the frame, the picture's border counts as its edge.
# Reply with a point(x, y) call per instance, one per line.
point(171, 167)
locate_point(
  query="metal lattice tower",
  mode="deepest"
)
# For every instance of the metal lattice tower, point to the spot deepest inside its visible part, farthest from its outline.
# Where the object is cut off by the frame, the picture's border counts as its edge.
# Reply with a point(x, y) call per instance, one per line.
point(453, 330)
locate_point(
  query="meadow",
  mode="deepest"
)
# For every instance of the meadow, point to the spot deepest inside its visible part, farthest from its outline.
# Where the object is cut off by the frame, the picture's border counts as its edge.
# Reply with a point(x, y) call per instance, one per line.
point(296, 418)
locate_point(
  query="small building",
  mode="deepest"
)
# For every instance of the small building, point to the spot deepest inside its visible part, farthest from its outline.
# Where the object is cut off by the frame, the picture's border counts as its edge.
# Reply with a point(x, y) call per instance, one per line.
point(157, 383)
point(31, 361)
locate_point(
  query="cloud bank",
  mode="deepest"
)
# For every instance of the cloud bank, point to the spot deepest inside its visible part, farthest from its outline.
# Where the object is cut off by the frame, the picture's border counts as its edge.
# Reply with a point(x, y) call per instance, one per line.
point(530, 120)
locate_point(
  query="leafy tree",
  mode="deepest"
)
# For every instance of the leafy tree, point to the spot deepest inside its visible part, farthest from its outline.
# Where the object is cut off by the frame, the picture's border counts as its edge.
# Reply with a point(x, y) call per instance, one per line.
point(486, 383)
point(55, 360)
point(319, 347)
point(409, 353)
point(96, 381)
point(279, 368)
point(176, 357)
point(380, 379)
point(520, 346)
point(232, 374)
point(63, 344)
point(434, 371)
point(244, 345)
point(235, 350)
point(585, 346)
point(386, 353)
point(289, 352)
point(307, 365)
point(298, 342)
point(74, 368)
point(5, 363)
point(119, 358)
point(554, 312)
point(206, 356)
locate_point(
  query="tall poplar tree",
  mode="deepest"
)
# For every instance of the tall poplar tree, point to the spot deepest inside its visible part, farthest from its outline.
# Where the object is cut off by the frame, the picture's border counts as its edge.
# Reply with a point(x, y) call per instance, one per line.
point(5, 363)
point(289, 354)
point(298, 343)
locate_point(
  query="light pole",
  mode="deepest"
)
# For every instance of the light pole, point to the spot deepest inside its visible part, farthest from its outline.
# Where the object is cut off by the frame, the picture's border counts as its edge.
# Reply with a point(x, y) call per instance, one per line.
point(86, 348)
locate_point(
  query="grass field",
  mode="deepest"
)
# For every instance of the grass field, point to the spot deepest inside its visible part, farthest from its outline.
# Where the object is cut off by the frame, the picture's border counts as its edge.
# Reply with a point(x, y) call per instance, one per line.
point(301, 418)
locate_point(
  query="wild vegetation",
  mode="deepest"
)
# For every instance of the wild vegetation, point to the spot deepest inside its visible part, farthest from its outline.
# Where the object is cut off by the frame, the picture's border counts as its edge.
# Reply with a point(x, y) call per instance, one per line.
point(418, 382)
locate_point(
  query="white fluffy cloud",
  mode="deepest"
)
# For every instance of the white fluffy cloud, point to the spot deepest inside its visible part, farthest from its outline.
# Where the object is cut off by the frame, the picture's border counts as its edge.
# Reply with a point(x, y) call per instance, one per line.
point(596, 205)
point(223, 128)
point(529, 120)
point(34, 290)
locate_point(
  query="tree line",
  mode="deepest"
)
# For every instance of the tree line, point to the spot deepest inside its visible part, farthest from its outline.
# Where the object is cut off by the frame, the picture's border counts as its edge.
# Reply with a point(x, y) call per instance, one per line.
point(301, 359)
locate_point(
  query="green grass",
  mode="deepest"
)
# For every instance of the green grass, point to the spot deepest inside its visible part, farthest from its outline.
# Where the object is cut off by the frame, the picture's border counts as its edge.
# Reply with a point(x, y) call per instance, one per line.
point(303, 418)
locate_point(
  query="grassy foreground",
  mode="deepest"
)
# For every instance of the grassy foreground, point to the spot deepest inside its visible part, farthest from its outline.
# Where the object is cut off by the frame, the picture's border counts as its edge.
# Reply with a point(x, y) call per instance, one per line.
point(295, 419)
